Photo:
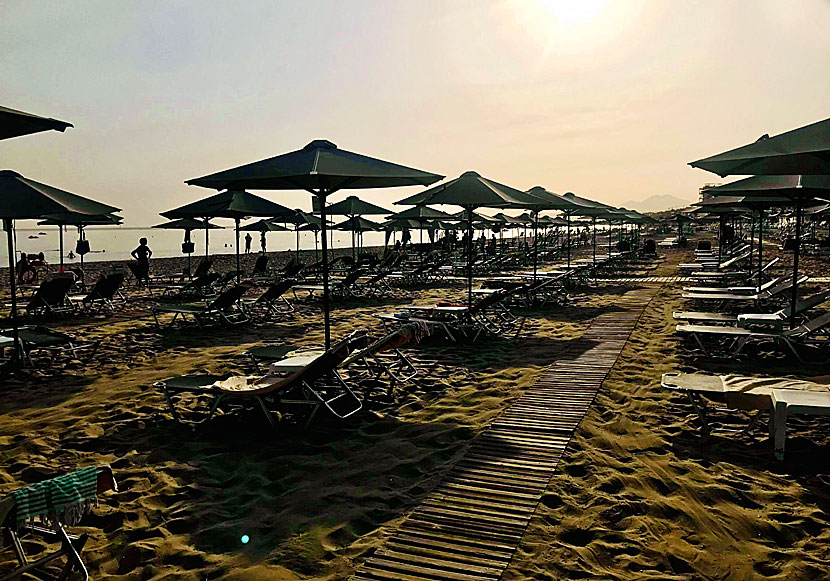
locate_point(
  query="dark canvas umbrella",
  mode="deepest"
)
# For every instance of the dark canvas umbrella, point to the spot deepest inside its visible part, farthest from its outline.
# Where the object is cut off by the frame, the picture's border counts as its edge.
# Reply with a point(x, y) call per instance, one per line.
point(421, 215)
point(590, 208)
point(235, 204)
point(263, 226)
point(79, 220)
point(801, 151)
point(24, 199)
point(15, 123)
point(320, 168)
point(546, 200)
point(188, 225)
point(470, 191)
point(353, 207)
point(358, 225)
point(801, 190)
point(304, 221)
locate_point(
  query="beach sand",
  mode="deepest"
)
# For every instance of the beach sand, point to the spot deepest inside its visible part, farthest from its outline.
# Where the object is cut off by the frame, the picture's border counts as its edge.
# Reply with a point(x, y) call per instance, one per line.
point(638, 495)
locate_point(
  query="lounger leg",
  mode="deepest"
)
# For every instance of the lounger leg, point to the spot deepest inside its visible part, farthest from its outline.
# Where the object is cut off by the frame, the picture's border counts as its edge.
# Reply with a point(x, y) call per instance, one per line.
point(267, 412)
point(779, 427)
point(73, 557)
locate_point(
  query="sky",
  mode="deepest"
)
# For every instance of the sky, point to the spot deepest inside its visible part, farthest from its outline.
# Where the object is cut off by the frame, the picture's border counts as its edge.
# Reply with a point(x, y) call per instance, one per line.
point(608, 99)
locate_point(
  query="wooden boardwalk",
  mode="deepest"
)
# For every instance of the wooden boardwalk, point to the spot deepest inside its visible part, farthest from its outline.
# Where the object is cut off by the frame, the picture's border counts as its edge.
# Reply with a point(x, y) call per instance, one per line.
point(468, 528)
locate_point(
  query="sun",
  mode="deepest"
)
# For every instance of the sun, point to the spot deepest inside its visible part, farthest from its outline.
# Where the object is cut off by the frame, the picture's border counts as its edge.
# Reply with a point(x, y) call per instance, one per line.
point(568, 13)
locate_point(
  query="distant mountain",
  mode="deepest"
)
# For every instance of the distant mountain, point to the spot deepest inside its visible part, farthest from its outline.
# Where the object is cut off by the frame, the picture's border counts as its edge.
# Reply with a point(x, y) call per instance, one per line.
point(658, 203)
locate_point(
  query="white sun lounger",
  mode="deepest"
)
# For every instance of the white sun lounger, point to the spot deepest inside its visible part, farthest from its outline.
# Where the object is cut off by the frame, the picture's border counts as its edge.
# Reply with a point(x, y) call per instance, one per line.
point(780, 397)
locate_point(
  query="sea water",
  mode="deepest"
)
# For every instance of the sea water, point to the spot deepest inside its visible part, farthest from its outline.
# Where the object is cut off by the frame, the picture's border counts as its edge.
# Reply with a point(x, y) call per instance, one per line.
point(116, 242)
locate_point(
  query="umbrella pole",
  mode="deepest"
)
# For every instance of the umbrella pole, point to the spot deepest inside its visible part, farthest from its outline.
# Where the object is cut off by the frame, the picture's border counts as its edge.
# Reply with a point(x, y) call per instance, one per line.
point(796, 252)
point(594, 238)
point(751, 238)
point(9, 225)
point(760, 246)
point(297, 257)
point(316, 258)
point(469, 259)
point(568, 216)
point(60, 247)
point(720, 239)
point(207, 229)
point(326, 321)
point(236, 230)
point(535, 242)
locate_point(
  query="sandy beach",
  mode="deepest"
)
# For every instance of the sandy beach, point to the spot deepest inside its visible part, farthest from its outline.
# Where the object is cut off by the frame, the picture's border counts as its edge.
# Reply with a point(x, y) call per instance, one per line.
point(638, 495)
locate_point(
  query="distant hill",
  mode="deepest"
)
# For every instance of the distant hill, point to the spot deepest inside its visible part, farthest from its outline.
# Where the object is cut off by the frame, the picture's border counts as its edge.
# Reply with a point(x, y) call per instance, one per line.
point(658, 203)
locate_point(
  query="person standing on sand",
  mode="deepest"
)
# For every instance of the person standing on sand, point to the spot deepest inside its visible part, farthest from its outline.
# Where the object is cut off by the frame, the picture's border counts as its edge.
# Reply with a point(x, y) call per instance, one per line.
point(248, 239)
point(142, 254)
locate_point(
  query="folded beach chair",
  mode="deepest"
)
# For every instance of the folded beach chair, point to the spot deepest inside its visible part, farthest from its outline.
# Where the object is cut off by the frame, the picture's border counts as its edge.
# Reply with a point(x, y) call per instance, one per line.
point(43, 510)
point(105, 291)
point(776, 319)
point(52, 298)
point(780, 397)
point(226, 308)
point(312, 383)
point(736, 338)
point(273, 300)
point(762, 295)
point(728, 275)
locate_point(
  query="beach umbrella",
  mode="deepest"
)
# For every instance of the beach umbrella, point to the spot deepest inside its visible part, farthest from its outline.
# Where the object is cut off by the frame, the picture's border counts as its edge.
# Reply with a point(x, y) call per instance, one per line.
point(421, 215)
point(357, 225)
point(802, 151)
point(591, 209)
point(234, 204)
point(304, 221)
point(800, 190)
point(353, 207)
point(545, 200)
point(188, 225)
point(14, 123)
point(80, 221)
point(264, 226)
point(320, 168)
point(26, 199)
point(470, 191)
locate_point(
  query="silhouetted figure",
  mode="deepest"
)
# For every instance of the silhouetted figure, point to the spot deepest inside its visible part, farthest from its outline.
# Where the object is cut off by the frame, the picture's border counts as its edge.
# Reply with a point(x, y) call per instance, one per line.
point(248, 240)
point(142, 255)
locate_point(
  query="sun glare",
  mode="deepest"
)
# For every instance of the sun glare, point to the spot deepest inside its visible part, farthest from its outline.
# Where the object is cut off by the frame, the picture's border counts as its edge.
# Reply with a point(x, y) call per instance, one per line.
point(573, 12)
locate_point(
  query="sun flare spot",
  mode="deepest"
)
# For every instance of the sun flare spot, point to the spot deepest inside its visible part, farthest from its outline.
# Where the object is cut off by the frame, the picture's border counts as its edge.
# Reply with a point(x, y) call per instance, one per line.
point(573, 12)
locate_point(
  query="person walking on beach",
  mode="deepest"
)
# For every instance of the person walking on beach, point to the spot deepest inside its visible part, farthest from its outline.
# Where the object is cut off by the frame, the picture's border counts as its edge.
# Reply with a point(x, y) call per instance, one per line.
point(142, 254)
point(248, 239)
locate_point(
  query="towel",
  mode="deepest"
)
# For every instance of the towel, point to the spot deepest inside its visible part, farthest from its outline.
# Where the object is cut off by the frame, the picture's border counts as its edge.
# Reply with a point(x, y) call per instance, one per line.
point(64, 499)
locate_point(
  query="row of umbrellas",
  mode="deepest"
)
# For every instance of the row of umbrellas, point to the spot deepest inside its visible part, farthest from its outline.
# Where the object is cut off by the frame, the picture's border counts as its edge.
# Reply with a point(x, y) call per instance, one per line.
point(321, 169)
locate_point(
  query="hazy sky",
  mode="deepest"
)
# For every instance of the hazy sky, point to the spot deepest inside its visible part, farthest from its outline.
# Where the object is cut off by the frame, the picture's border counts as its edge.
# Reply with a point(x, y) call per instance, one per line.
point(609, 100)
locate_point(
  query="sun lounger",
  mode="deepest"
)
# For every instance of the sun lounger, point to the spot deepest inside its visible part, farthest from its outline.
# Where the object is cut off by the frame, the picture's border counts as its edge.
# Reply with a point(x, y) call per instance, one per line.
point(308, 386)
point(737, 337)
point(732, 274)
point(273, 300)
point(52, 298)
point(383, 357)
point(765, 294)
point(345, 287)
point(267, 354)
point(52, 342)
point(226, 308)
point(778, 396)
point(714, 265)
point(44, 510)
point(105, 291)
point(200, 286)
point(743, 290)
point(776, 319)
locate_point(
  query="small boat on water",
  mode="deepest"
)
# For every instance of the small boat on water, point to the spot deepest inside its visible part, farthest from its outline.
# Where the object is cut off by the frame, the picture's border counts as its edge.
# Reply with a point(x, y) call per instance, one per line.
point(32, 236)
point(41, 233)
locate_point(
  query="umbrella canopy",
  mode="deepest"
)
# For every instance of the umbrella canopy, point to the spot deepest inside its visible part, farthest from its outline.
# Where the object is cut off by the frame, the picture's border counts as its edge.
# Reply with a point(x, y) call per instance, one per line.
point(75, 219)
point(14, 123)
point(320, 168)
point(27, 199)
point(358, 224)
point(354, 206)
point(188, 224)
point(236, 204)
point(320, 165)
point(264, 226)
point(801, 151)
point(421, 213)
point(505, 219)
point(400, 224)
point(300, 218)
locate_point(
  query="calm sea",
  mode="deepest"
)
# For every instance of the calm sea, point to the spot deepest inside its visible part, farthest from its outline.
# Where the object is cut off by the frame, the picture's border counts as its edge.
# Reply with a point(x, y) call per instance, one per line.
point(116, 242)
